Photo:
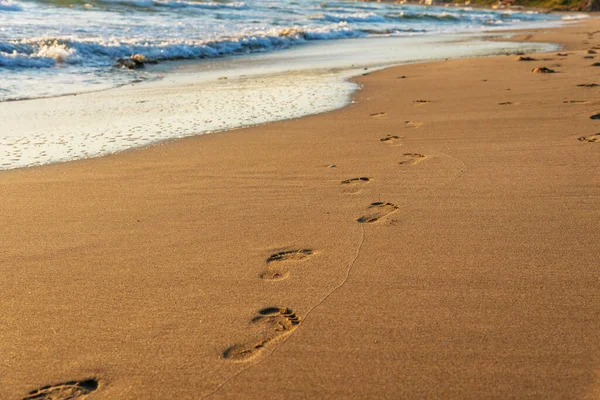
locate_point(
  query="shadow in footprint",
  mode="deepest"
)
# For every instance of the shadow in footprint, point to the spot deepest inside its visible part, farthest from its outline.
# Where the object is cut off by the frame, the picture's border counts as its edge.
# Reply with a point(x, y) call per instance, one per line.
point(543, 70)
point(411, 158)
point(377, 115)
point(390, 139)
point(274, 323)
point(590, 139)
point(377, 211)
point(64, 391)
point(274, 274)
point(595, 116)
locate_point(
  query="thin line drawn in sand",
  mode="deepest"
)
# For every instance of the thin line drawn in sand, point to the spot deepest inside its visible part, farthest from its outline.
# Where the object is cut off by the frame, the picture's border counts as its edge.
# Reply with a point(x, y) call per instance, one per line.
point(72, 390)
point(284, 338)
point(412, 158)
point(355, 180)
point(590, 139)
point(390, 139)
point(278, 273)
point(377, 211)
point(276, 346)
point(275, 322)
point(378, 114)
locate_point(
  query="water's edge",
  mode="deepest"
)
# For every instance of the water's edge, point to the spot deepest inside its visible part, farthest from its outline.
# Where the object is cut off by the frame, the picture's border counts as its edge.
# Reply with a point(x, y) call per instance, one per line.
point(203, 98)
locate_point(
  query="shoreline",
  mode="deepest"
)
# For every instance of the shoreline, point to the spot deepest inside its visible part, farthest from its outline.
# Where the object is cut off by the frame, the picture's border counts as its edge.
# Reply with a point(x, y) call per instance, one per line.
point(196, 100)
point(450, 253)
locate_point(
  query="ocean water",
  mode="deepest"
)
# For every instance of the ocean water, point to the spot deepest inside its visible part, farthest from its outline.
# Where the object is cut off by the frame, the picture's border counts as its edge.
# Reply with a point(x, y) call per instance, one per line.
point(55, 47)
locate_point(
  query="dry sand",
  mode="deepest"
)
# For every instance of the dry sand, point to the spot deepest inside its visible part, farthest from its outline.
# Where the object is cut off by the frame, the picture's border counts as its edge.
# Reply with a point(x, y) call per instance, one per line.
point(236, 265)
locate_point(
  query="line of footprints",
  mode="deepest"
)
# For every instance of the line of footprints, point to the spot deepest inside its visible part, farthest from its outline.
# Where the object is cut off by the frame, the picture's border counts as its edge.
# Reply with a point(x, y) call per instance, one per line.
point(275, 323)
point(272, 323)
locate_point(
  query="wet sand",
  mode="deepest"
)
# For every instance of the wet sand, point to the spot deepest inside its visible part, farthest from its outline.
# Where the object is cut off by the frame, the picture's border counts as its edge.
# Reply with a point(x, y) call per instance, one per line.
point(436, 239)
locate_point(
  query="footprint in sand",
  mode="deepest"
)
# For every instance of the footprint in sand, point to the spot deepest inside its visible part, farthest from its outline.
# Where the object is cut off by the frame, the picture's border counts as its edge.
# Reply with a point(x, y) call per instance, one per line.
point(590, 139)
point(508, 103)
point(543, 70)
point(274, 323)
point(390, 139)
point(377, 115)
point(595, 116)
point(412, 124)
point(421, 102)
point(575, 102)
point(275, 274)
point(525, 58)
point(588, 85)
point(355, 180)
point(411, 158)
point(377, 211)
point(64, 391)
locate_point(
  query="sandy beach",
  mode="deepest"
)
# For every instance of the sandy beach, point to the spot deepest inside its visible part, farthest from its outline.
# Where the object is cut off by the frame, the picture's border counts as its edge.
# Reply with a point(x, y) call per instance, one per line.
point(438, 238)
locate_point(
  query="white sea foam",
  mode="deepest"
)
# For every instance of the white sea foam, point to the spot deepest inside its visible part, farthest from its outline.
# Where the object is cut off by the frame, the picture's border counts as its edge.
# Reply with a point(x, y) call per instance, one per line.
point(354, 17)
point(574, 17)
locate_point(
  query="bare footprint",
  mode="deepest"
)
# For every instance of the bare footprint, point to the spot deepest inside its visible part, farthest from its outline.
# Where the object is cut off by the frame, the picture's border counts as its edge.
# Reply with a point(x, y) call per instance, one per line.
point(377, 115)
point(64, 391)
point(274, 323)
point(412, 124)
point(377, 211)
point(291, 255)
point(275, 274)
point(355, 180)
point(542, 70)
point(590, 139)
point(390, 139)
point(411, 158)
point(421, 102)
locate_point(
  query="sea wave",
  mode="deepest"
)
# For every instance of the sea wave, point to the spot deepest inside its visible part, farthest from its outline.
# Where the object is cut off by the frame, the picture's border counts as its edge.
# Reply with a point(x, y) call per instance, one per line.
point(44, 53)
point(147, 4)
point(8, 5)
point(354, 17)
point(575, 17)
point(423, 16)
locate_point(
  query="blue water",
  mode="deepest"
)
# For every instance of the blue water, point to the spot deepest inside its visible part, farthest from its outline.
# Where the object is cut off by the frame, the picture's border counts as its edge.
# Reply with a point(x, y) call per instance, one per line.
point(53, 47)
